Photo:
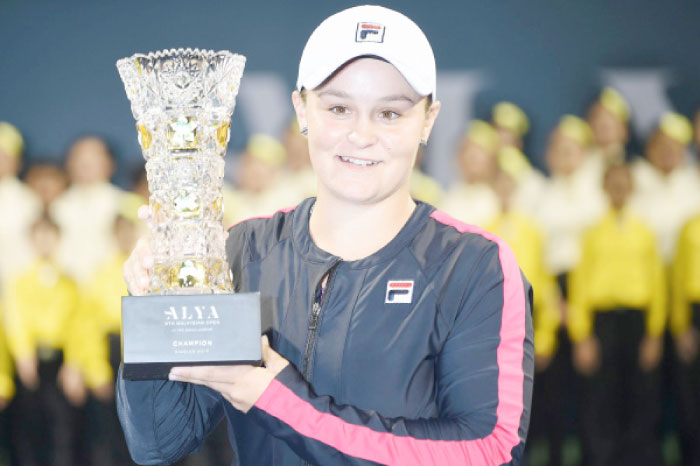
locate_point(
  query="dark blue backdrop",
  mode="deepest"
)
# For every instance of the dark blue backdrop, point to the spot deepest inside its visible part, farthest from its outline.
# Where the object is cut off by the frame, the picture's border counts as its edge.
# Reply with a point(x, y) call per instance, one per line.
point(58, 79)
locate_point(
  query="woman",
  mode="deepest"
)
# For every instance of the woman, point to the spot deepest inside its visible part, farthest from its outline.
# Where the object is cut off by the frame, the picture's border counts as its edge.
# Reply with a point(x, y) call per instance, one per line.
point(401, 336)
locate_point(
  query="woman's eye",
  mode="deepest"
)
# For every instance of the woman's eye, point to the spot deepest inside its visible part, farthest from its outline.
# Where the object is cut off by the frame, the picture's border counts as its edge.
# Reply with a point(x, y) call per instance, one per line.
point(389, 115)
point(339, 109)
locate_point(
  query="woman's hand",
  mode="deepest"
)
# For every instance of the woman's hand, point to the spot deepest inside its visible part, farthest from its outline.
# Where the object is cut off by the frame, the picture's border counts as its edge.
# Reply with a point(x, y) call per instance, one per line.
point(240, 385)
point(542, 362)
point(138, 266)
point(28, 373)
point(70, 380)
point(650, 351)
point(687, 345)
point(104, 392)
point(587, 356)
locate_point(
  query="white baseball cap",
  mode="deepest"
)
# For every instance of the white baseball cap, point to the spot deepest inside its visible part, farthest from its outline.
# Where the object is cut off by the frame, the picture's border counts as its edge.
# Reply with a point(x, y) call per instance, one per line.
point(368, 30)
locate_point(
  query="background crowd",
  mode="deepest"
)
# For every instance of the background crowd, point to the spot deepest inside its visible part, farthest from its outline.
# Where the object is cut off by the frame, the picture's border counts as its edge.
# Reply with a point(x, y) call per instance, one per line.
point(609, 239)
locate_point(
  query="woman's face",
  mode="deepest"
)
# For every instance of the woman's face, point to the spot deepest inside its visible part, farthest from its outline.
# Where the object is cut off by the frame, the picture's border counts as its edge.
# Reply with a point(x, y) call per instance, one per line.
point(665, 153)
point(89, 162)
point(477, 164)
point(607, 129)
point(564, 155)
point(365, 125)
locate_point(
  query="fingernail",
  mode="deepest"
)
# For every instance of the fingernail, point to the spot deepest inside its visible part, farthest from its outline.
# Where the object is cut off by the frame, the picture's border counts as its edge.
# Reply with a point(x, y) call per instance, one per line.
point(143, 212)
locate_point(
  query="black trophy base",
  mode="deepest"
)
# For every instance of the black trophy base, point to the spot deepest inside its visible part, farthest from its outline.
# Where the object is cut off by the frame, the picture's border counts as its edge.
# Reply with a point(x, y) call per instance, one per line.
point(161, 332)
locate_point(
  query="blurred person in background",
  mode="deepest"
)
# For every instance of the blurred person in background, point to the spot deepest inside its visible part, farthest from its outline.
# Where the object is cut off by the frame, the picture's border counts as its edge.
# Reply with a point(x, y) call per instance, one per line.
point(48, 181)
point(512, 125)
point(570, 202)
point(685, 328)
point(41, 304)
point(616, 320)
point(259, 188)
point(18, 204)
point(102, 317)
point(298, 173)
point(472, 199)
point(523, 235)
point(608, 117)
point(86, 211)
point(666, 182)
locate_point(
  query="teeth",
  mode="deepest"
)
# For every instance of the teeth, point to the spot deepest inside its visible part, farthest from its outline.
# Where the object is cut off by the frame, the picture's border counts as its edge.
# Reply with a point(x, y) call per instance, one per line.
point(362, 163)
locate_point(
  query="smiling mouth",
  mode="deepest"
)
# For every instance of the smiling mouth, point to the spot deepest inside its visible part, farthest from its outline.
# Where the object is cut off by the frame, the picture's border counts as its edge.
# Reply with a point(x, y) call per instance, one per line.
point(358, 162)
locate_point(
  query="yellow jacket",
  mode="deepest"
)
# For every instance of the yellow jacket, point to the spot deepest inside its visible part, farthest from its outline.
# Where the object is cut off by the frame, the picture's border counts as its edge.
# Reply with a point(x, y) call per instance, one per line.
point(7, 384)
point(620, 267)
point(102, 316)
point(104, 292)
point(41, 309)
point(686, 276)
point(524, 237)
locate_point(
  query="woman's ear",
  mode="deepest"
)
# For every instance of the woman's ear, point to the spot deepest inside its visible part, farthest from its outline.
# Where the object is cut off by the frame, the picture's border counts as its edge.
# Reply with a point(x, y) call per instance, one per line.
point(299, 108)
point(430, 117)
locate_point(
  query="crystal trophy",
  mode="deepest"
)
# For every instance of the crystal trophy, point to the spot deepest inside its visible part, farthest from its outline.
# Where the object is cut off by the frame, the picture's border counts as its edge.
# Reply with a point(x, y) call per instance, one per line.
point(182, 101)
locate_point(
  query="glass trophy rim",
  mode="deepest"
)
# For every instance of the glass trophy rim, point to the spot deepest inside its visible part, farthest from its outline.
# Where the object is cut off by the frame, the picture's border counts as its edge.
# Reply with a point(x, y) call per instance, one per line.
point(173, 52)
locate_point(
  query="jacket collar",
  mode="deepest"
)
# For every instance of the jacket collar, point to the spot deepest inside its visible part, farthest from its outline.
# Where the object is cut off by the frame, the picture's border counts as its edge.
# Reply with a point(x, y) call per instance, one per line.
point(306, 247)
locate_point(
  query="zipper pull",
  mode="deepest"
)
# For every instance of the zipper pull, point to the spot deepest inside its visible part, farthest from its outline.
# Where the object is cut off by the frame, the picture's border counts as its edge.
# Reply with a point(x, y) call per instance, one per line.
point(315, 312)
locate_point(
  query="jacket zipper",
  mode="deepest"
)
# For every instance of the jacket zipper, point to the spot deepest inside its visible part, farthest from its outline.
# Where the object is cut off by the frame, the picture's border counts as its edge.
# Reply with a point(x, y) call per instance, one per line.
point(316, 308)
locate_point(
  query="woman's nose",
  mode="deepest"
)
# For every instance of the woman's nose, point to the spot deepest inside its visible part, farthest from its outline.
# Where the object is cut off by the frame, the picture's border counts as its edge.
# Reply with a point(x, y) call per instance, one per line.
point(362, 133)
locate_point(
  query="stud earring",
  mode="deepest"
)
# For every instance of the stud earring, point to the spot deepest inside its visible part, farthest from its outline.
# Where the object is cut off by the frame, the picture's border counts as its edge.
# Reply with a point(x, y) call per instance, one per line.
point(304, 131)
point(423, 142)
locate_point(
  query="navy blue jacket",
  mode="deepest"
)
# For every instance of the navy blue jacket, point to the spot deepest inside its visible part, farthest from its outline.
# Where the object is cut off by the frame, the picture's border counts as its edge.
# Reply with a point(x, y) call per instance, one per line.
point(420, 354)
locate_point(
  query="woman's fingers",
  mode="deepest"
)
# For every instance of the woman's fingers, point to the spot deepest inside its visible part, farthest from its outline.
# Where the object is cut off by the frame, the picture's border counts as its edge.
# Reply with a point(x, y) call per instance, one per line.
point(240, 385)
point(272, 360)
point(201, 374)
point(139, 264)
point(144, 213)
point(137, 268)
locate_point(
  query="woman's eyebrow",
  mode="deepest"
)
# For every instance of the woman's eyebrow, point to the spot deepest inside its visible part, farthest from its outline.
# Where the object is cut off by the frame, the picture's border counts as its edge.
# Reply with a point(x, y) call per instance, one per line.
point(344, 95)
point(333, 93)
point(398, 97)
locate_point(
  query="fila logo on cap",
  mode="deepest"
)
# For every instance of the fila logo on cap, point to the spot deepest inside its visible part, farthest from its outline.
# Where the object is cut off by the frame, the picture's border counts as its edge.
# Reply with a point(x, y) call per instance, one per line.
point(399, 291)
point(369, 32)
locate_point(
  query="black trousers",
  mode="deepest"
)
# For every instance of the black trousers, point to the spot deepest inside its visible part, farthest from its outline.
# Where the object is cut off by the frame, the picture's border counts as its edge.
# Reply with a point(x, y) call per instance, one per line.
point(620, 408)
point(553, 403)
point(46, 428)
point(6, 450)
point(553, 400)
point(687, 390)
